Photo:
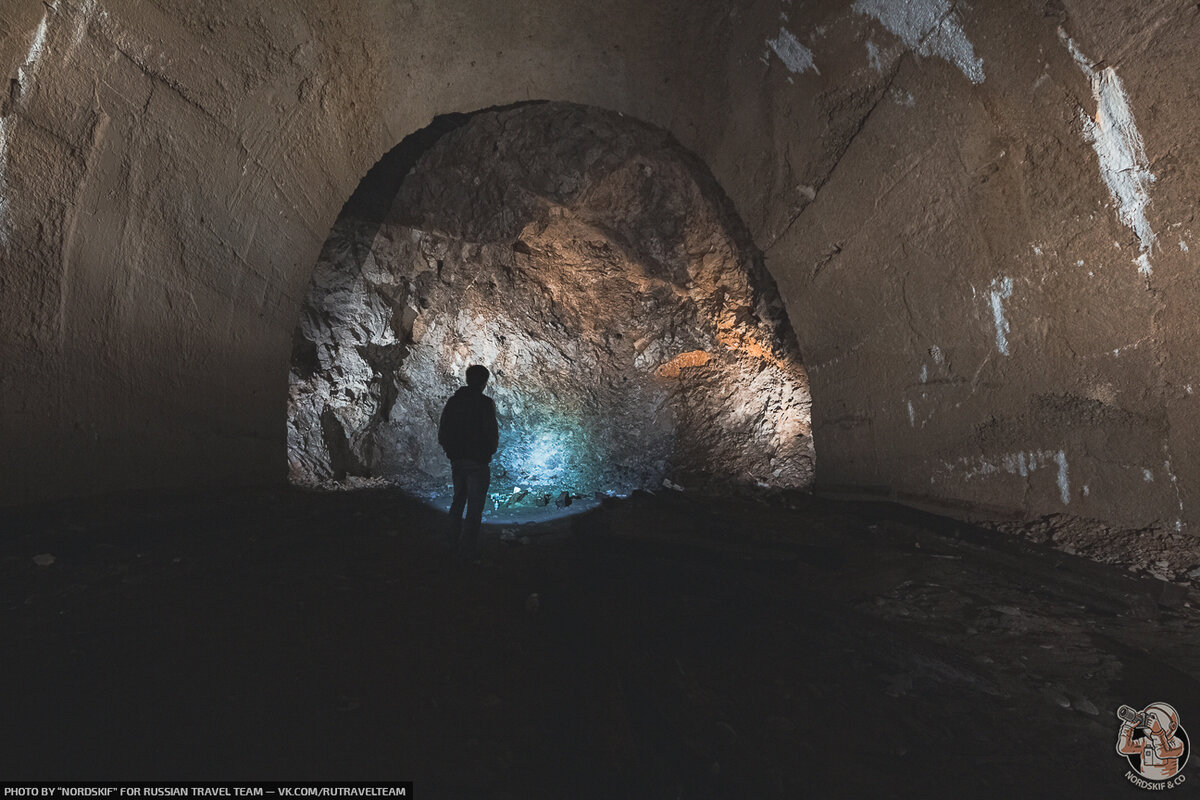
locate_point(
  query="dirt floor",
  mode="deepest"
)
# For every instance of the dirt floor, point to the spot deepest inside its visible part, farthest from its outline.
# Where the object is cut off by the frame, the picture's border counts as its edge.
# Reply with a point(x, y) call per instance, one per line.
point(663, 646)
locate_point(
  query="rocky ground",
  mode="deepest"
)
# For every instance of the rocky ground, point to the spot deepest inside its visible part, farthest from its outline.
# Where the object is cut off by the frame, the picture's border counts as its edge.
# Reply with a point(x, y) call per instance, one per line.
point(662, 646)
point(1154, 551)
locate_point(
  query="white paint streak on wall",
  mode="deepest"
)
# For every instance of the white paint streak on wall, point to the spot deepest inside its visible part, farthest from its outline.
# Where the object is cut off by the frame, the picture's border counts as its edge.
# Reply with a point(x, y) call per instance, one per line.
point(27, 70)
point(930, 27)
point(795, 56)
point(1064, 483)
point(1023, 463)
point(1143, 264)
point(26, 77)
point(1123, 162)
point(4, 182)
point(912, 415)
point(1166, 448)
point(873, 56)
point(1002, 290)
point(1183, 245)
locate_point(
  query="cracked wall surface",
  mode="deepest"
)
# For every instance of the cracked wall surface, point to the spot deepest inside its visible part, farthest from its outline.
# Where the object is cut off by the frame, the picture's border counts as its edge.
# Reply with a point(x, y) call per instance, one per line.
point(168, 172)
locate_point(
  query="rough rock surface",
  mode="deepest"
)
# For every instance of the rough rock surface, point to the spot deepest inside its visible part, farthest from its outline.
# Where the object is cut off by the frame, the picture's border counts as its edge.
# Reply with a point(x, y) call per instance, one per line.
point(1154, 552)
point(598, 271)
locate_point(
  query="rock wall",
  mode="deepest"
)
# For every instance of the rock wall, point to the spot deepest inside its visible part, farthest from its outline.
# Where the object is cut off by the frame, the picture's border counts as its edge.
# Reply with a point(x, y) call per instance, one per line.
point(596, 269)
point(1022, 245)
point(979, 217)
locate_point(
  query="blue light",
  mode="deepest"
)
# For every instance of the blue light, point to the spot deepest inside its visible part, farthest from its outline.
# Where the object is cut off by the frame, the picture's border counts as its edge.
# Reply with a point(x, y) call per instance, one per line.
point(544, 460)
point(542, 456)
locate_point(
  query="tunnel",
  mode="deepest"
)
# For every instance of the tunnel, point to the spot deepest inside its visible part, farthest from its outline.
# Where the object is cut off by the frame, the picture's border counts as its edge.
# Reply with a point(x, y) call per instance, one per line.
point(842, 355)
point(597, 270)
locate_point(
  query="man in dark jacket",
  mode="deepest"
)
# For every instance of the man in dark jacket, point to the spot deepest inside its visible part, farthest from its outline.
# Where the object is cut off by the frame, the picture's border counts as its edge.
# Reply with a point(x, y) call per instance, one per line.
point(469, 436)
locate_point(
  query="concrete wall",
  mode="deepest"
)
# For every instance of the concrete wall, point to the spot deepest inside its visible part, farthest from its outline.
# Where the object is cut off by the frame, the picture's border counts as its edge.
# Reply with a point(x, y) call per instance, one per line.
point(919, 177)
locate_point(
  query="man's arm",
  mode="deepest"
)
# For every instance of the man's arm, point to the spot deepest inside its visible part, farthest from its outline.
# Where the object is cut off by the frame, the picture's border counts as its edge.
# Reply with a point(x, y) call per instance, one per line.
point(492, 429)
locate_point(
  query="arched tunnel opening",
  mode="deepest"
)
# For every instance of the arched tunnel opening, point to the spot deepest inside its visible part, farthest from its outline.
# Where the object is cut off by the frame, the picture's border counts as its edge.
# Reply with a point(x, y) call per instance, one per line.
point(634, 338)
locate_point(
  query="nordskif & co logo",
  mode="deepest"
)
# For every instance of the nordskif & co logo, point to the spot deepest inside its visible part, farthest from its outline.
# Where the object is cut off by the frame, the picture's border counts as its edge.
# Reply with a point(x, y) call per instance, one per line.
point(1155, 745)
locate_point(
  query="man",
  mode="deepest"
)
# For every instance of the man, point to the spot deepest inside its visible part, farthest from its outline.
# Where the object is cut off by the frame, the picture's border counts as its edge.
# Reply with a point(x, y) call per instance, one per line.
point(469, 436)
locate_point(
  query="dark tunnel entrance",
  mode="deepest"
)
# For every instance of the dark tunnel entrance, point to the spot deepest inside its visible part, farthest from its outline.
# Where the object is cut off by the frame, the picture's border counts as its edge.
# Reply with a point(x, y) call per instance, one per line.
point(634, 337)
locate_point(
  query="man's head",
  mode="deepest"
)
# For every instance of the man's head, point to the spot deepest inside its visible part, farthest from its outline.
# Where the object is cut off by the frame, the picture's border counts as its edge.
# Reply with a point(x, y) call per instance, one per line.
point(477, 376)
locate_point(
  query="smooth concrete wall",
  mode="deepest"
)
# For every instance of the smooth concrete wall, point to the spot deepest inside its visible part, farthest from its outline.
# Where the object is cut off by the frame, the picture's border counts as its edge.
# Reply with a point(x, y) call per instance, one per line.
point(918, 174)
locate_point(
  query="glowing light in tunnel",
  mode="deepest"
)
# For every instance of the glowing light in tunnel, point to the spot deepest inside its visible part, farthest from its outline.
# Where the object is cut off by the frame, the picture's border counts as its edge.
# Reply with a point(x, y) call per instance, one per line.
point(544, 455)
point(556, 457)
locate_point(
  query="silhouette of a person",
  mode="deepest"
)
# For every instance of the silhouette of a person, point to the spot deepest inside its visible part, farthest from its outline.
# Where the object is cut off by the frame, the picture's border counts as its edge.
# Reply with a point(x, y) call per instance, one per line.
point(469, 436)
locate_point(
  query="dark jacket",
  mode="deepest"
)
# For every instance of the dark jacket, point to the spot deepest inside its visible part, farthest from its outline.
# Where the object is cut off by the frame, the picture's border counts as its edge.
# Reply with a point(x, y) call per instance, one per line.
point(468, 426)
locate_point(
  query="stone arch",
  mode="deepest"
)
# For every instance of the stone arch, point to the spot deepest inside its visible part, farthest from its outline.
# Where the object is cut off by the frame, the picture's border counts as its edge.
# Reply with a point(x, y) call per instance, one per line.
point(600, 271)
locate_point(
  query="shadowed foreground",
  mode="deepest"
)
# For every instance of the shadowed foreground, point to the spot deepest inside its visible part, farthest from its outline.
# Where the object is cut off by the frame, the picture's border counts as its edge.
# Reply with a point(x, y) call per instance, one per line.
point(676, 648)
